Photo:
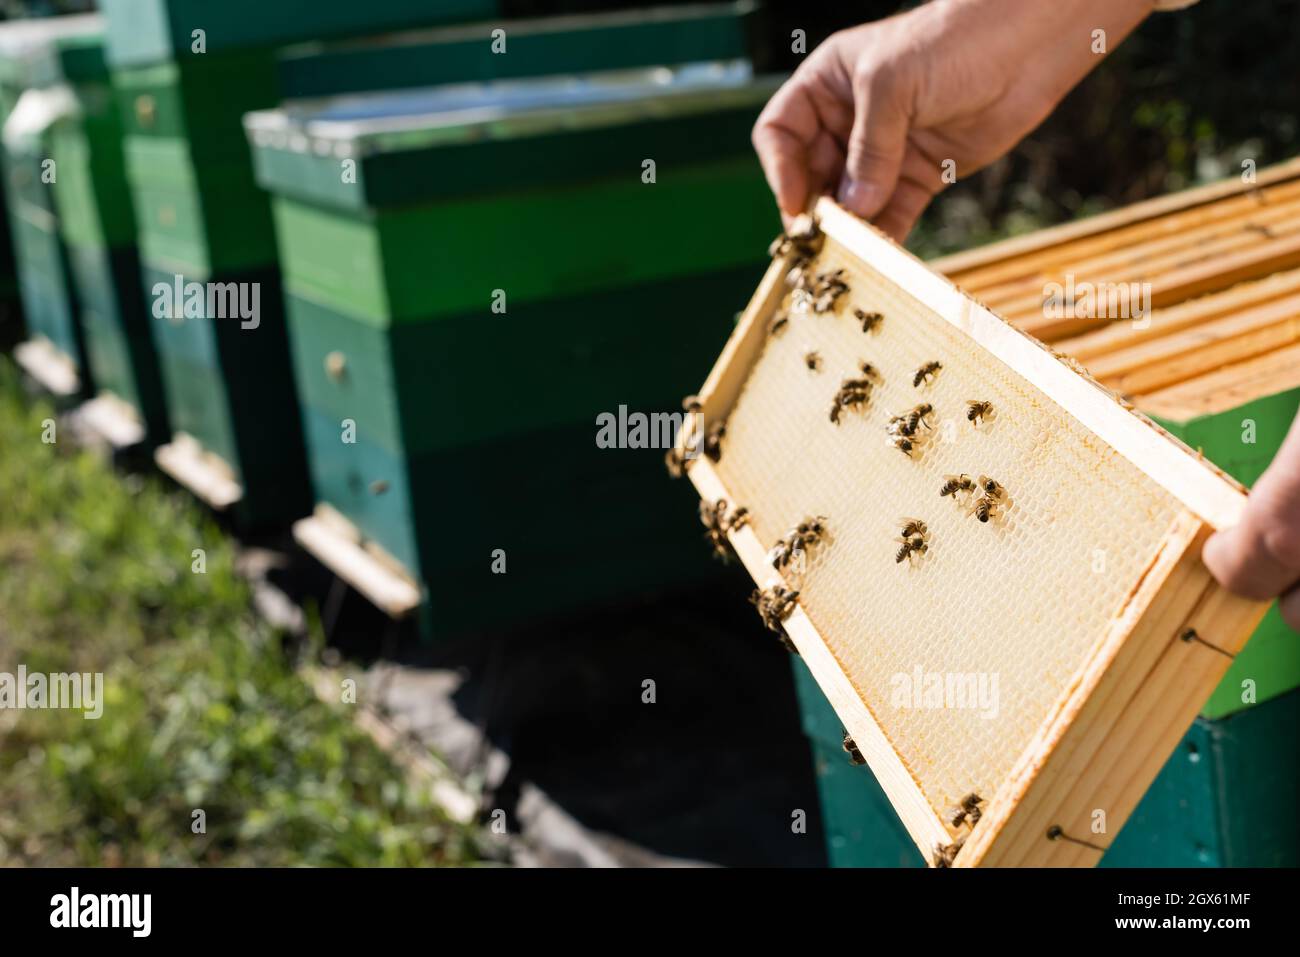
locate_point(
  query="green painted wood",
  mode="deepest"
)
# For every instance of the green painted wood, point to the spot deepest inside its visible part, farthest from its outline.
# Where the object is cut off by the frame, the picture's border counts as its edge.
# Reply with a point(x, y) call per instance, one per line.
point(454, 158)
point(582, 44)
point(90, 190)
point(1243, 442)
point(45, 282)
point(201, 219)
point(449, 258)
point(566, 356)
point(201, 100)
point(1225, 798)
point(146, 31)
point(119, 349)
point(232, 389)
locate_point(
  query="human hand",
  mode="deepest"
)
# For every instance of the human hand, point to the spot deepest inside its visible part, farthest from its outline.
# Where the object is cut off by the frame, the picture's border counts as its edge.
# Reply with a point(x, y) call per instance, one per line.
point(874, 113)
point(1260, 557)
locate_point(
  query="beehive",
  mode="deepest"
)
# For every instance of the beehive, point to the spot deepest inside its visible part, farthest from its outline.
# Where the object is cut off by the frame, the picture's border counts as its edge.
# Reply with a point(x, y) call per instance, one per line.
point(560, 45)
point(392, 274)
point(1223, 799)
point(1215, 359)
point(1083, 597)
point(185, 73)
point(54, 354)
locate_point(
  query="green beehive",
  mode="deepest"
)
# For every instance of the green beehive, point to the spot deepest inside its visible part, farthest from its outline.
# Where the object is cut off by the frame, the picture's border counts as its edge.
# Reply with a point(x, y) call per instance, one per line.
point(32, 101)
point(149, 31)
point(499, 50)
point(1225, 798)
point(474, 275)
point(185, 72)
point(97, 227)
point(1269, 665)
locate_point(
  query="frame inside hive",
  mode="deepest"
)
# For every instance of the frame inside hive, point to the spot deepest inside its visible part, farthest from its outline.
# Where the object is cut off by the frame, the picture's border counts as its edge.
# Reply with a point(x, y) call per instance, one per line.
point(1079, 596)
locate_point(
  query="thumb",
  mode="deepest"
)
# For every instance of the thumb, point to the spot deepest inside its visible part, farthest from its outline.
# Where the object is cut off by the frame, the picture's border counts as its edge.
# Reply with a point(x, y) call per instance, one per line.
point(876, 146)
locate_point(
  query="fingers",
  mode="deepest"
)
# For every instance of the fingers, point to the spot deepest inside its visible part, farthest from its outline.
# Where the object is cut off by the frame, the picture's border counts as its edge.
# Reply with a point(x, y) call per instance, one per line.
point(1260, 558)
point(785, 129)
point(877, 144)
point(918, 183)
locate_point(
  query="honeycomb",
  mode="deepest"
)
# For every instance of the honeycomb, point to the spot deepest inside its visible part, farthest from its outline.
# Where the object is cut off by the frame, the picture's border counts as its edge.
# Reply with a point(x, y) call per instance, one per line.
point(1017, 603)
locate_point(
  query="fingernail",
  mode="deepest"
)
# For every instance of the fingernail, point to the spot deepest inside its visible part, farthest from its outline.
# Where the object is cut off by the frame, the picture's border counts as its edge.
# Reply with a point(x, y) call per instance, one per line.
point(859, 198)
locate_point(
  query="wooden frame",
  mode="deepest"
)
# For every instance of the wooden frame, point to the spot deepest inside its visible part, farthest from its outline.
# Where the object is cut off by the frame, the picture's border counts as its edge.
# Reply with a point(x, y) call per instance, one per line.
point(1141, 686)
point(200, 471)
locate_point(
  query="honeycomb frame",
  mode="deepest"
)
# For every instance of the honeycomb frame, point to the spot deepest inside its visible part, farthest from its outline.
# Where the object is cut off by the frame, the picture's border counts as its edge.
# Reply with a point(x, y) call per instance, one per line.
point(1140, 680)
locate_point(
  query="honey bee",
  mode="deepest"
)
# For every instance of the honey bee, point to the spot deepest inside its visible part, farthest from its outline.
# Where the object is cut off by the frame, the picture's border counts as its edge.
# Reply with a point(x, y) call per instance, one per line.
point(869, 320)
point(807, 533)
point(925, 373)
point(851, 749)
point(674, 463)
point(851, 394)
point(778, 323)
point(909, 547)
point(903, 444)
point(813, 361)
point(713, 440)
point(717, 521)
point(945, 855)
point(869, 370)
point(908, 423)
point(971, 805)
point(692, 403)
point(774, 605)
point(991, 497)
point(912, 527)
point(955, 816)
point(952, 484)
point(977, 410)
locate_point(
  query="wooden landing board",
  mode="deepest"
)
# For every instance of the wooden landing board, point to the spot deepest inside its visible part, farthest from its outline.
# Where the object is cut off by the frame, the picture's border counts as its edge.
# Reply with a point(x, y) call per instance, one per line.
point(48, 367)
point(337, 545)
point(202, 472)
point(1068, 600)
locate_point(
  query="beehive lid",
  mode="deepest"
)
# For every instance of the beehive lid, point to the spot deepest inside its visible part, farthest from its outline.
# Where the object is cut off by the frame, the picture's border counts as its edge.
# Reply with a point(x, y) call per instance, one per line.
point(45, 51)
point(454, 138)
point(1041, 660)
point(552, 45)
point(150, 31)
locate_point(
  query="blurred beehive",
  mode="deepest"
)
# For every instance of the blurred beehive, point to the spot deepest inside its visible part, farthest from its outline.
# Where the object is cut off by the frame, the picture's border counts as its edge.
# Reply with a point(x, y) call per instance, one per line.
point(54, 353)
point(1215, 360)
point(498, 268)
point(1072, 578)
point(185, 73)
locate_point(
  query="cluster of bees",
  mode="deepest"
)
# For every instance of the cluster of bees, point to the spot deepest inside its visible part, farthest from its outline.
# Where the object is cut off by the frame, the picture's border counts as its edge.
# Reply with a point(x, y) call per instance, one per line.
point(718, 519)
point(803, 536)
point(854, 392)
point(968, 813)
point(983, 500)
point(913, 539)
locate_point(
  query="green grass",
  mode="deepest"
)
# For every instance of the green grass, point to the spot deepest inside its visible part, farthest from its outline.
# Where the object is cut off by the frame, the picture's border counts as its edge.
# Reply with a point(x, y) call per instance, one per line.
point(203, 710)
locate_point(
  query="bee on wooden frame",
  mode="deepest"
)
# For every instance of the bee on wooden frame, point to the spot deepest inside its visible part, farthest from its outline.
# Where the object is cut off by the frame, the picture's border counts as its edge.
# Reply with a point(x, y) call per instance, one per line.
point(991, 498)
point(952, 484)
point(910, 547)
point(925, 374)
point(778, 324)
point(869, 320)
point(977, 411)
point(713, 440)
